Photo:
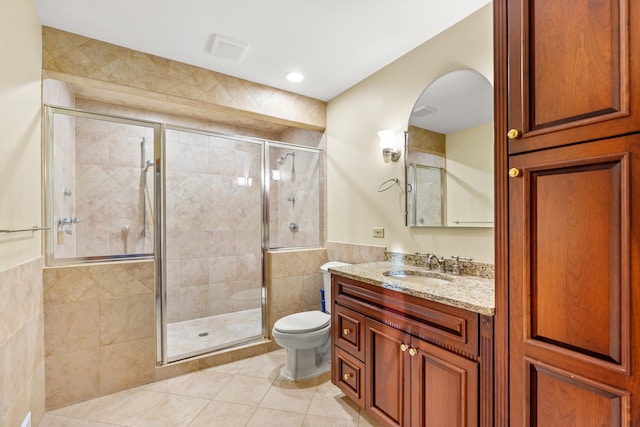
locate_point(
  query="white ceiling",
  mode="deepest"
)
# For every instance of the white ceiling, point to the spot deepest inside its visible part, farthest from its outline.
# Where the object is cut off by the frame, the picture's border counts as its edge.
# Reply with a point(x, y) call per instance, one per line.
point(334, 43)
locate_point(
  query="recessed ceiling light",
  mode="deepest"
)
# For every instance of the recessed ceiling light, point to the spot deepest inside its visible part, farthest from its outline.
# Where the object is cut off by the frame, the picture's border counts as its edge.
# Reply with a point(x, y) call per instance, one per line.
point(294, 77)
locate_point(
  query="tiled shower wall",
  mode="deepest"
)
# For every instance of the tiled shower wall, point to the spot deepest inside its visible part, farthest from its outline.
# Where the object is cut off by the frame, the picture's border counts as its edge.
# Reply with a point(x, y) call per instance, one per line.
point(109, 188)
point(213, 225)
point(296, 198)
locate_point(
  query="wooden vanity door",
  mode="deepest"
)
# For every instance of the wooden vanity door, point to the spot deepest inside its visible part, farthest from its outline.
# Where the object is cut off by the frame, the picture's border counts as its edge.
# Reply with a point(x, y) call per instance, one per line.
point(574, 290)
point(387, 374)
point(444, 387)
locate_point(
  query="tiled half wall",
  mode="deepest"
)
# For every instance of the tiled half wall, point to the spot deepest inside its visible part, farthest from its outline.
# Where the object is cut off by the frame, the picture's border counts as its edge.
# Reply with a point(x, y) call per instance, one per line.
point(99, 330)
point(21, 344)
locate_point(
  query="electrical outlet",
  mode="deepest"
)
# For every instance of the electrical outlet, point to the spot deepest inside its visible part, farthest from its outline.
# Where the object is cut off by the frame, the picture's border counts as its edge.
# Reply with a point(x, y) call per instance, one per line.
point(378, 232)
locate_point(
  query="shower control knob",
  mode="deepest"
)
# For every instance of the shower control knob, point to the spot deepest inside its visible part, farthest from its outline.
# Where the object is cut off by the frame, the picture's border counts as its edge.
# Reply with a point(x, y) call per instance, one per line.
point(346, 331)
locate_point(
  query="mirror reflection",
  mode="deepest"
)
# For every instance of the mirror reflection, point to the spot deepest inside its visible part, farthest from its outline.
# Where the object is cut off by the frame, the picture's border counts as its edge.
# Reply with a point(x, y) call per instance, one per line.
point(449, 153)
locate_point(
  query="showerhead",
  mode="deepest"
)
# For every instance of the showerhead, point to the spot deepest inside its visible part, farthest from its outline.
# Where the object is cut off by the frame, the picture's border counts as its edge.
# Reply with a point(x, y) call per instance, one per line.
point(282, 159)
point(148, 164)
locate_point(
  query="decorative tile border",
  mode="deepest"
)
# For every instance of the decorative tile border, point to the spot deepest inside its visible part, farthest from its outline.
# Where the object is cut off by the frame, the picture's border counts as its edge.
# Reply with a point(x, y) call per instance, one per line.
point(99, 70)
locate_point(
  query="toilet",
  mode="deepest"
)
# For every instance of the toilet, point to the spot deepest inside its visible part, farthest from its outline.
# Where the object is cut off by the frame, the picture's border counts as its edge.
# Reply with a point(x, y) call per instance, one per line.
point(306, 336)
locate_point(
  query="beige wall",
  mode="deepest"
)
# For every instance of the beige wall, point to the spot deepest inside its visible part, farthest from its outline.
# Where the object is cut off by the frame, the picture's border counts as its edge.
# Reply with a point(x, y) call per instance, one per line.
point(21, 315)
point(20, 128)
point(384, 101)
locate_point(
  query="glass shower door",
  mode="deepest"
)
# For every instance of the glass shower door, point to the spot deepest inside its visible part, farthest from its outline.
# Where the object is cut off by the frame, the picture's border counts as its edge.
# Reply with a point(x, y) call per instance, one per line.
point(212, 249)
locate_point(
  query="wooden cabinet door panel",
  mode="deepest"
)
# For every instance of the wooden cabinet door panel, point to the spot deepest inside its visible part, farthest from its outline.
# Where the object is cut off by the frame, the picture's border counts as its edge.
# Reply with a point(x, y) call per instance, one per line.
point(386, 370)
point(444, 388)
point(572, 240)
point(559, 398)
point(569, 71)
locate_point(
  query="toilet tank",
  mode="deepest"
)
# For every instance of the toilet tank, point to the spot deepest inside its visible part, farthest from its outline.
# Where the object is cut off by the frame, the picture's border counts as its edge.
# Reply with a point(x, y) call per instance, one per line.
point(326, 278)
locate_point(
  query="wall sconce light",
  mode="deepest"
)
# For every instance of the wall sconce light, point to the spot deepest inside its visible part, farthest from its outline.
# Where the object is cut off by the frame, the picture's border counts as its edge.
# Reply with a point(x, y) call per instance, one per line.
point(389, 145)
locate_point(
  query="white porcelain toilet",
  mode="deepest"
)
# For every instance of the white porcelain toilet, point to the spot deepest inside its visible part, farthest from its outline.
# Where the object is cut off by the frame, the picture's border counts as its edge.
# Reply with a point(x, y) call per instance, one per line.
point(306, 336)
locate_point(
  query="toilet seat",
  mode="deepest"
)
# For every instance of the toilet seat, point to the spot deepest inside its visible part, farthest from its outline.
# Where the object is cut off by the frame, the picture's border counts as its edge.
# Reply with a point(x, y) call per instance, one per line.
point(301, 323)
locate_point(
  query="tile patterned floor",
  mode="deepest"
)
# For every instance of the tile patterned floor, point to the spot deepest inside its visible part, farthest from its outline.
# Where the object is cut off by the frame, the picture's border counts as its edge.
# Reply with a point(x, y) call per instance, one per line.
point(243, 393)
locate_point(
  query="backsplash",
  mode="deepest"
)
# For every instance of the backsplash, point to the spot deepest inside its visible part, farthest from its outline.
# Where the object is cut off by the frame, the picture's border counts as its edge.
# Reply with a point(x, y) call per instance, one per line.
point(467, 268)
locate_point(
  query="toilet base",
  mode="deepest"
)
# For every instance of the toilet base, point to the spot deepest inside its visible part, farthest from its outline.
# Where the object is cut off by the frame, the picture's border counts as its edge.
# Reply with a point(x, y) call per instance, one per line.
point(304, 364)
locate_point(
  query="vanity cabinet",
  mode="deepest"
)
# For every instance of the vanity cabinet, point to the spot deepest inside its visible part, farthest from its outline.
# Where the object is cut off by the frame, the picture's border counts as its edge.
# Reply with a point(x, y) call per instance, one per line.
point(568, 126)
point(411, 382)
point(409, 361)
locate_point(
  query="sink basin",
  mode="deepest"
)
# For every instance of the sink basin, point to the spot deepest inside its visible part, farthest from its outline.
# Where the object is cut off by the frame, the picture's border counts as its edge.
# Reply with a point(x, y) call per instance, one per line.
point(425, 278)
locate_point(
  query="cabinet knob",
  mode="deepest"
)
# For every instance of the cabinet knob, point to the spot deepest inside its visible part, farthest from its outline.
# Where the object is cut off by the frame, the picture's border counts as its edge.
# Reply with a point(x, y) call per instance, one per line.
point(413, 351)
point(346, 377)
point(513, 134)
point(346, 331)
point(514, 172)
point(404, 347)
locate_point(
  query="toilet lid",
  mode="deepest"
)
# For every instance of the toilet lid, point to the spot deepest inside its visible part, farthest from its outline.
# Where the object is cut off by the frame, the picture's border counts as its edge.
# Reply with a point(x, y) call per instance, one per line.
point(301, 323)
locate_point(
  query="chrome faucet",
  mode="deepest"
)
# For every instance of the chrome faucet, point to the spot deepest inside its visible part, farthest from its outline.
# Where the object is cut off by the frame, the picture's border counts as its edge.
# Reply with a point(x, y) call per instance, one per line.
point(439, 262)
point(429, 257)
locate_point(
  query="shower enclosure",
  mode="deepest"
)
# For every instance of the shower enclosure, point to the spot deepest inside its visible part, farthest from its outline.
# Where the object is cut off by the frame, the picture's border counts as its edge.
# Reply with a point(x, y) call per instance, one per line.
point(213, 246)
point(204, 206)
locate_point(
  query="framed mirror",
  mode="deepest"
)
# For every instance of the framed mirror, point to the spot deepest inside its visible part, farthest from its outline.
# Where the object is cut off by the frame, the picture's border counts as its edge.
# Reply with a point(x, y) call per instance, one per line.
point(449, 153)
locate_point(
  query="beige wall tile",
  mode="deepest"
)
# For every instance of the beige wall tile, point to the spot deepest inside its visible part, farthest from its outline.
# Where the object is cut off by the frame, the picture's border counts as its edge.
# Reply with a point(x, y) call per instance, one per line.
point(21, 343)
point(72, 377)
point(71, 327)
point(128, 364)
point(286, 294)
point(127, 318)
point(355, 254)
point(121, 310)
point(180, 84)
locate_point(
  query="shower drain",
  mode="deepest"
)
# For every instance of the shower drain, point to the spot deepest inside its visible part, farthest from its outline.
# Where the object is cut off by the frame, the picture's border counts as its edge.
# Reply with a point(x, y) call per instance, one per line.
point(203, 334)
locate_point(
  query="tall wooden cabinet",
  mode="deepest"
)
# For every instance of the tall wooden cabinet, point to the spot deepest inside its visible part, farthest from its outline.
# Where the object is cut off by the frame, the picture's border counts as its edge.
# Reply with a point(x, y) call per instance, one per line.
point(568, 187)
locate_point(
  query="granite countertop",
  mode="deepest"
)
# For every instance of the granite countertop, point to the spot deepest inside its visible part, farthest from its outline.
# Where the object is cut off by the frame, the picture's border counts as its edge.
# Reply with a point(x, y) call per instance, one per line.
point(468, 292)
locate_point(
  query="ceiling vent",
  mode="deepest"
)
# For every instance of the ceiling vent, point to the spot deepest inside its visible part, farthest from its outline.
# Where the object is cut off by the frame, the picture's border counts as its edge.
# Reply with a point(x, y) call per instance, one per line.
point(423, 110)
point(228, 48)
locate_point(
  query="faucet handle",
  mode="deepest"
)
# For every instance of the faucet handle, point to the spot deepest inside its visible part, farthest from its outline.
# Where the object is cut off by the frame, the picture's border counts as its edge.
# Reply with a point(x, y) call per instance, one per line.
point(456, 264)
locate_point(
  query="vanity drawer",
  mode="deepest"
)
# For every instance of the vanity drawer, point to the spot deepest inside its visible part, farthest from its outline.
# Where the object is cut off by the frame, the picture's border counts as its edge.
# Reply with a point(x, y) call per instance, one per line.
point(349, 375)
point(445, 326)
point(348, 331)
